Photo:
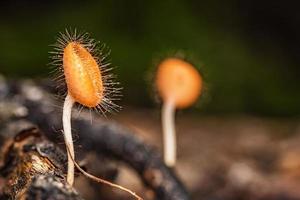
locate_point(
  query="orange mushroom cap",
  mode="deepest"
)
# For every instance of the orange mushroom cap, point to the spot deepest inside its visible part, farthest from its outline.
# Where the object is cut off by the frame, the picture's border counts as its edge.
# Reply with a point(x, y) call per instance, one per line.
point(83, 76)
point(179, 81)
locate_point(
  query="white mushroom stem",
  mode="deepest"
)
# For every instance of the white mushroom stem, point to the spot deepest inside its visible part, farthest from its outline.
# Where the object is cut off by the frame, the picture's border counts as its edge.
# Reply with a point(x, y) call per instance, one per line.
point(169, 134)
point(67, 113)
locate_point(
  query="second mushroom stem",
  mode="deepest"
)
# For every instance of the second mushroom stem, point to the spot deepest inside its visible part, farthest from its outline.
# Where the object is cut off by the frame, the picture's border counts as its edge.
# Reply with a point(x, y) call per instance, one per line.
point(67, 113)
point(169, 135)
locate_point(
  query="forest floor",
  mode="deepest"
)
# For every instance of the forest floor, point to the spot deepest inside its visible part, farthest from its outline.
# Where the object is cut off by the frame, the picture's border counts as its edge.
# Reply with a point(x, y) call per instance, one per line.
point(219, 157)
point(227, 157)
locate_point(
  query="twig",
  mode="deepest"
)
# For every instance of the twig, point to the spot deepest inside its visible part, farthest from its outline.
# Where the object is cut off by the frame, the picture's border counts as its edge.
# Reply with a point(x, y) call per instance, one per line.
point(100, 180)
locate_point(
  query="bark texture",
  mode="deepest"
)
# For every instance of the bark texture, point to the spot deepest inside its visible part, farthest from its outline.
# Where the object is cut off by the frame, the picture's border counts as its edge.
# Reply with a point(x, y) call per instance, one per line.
point(32, 167)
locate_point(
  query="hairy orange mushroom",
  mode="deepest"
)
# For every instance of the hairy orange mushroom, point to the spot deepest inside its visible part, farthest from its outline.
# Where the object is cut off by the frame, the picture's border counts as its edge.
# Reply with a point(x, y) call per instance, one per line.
point(88, 83)
point(87, 80)
point(179, 84)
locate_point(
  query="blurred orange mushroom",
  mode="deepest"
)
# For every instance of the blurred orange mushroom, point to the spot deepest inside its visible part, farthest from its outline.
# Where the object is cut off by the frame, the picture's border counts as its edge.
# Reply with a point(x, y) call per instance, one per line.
point(179, 85)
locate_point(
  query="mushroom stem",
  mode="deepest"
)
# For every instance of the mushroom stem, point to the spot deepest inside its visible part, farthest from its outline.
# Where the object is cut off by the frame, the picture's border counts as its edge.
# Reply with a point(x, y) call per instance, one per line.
point(169, 135)
point(67, 112)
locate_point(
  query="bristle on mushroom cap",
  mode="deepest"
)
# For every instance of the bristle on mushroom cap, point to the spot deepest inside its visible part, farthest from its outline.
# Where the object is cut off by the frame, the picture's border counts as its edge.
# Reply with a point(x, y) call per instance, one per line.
point(179, 81)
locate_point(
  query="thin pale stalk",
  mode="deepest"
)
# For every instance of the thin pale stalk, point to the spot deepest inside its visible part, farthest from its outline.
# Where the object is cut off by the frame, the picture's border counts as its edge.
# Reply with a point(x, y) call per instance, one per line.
point(169, 134)
point(67, 113)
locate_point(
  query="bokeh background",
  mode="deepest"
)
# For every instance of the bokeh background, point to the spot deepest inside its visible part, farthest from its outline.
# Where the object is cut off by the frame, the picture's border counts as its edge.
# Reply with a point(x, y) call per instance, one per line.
point(248, 51)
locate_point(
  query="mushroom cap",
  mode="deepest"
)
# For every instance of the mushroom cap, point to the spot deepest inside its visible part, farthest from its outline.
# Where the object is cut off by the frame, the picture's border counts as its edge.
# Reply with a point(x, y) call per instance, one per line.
point(178, 81)
point(82, 74)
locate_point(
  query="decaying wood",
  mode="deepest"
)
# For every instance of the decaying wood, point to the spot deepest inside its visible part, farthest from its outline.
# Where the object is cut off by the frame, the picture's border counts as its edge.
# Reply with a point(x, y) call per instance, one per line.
point(103, 138)
point(33, 168)
point(113, 140)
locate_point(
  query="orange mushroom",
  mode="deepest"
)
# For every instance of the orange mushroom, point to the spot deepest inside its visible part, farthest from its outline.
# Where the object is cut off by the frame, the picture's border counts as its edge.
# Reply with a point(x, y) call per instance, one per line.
point(179, 85)
point(84, 85)
point(86, 79)
point(89, 84)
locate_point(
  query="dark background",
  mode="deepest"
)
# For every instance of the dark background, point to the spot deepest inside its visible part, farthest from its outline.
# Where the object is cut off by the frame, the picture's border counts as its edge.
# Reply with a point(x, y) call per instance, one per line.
point(248, 51)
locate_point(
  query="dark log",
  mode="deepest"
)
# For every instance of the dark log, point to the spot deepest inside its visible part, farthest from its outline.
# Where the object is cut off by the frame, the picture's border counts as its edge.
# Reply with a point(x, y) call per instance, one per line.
point(103, 138)
point(111, 139)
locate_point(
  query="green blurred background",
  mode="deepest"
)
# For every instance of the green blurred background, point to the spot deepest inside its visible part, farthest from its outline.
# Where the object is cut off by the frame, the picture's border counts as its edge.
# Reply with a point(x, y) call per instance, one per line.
point(247, 50)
